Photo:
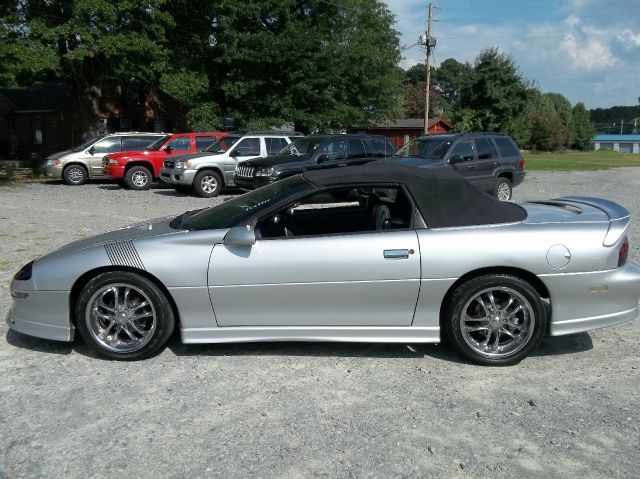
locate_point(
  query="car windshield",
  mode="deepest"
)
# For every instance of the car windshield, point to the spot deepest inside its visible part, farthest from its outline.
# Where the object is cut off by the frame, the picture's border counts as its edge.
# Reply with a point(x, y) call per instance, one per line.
point(223, 144)
point(429, 148)
point(302, 146)
point(87, 143)
point(234, 211)
point(158, 143)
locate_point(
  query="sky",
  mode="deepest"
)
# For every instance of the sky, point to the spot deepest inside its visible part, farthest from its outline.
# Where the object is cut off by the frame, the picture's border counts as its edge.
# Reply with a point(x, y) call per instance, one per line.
point(587, 50)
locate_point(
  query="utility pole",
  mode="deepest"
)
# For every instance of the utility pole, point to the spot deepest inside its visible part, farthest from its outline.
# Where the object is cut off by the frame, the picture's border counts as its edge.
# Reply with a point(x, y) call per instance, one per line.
point(621, 125)
point(429, 42)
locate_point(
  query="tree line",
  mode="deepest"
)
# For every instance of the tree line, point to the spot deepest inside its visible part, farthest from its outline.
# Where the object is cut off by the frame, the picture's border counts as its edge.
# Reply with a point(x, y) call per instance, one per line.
point(321, 65)
point(490, 94)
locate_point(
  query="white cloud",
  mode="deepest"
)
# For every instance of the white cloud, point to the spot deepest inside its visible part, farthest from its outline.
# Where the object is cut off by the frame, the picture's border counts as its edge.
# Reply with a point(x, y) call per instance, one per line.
point(587, 55)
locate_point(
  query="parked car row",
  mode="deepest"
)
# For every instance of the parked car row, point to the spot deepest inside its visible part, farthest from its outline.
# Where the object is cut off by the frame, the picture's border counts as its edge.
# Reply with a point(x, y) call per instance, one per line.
point(205, 163)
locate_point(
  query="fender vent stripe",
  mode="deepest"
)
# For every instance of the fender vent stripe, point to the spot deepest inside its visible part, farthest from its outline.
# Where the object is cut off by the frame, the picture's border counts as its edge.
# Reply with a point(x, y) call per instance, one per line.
point(123, 253)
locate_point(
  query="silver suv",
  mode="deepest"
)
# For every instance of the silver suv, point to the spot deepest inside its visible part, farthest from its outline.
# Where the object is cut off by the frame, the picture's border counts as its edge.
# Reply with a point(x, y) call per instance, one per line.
point(84, 161)
point(210, 170)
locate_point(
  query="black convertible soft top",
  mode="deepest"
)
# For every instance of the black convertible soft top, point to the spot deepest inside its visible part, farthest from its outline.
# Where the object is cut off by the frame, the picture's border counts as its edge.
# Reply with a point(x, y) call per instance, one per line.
point(444, 198)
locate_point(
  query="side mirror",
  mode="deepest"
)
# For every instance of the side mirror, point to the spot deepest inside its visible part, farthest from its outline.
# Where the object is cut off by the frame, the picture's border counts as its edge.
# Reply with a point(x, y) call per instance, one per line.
point(240, 236)
point(235, 153)
point(168, 149)
point(322, 158)
point(455, 159)
point(91, 150)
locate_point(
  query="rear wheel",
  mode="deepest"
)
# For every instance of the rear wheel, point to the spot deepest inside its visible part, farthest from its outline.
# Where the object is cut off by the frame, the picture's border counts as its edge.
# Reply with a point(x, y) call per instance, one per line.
point(138, 178)
point(502, 190)
point(207, 184)
point(123, 315)
point(75, 175)
point(495, 319)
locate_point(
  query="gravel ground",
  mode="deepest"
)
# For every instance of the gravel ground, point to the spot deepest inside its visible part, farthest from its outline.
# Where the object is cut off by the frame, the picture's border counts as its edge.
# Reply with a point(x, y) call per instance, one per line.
point(306, 410)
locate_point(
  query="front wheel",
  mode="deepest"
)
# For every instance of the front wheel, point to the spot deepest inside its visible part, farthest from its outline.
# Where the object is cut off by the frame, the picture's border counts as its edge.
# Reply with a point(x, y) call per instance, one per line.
point(75, 175)
point(502, 190)
point(207, 184)
point(138, 178)
point(495, 320)
point(123, 315)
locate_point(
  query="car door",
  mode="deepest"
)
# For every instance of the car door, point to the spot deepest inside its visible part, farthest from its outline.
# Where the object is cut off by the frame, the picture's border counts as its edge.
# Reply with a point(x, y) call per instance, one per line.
point(350, 278)
point(487, 162)
point(356, 154)
point(463, 159)
point(110, 144)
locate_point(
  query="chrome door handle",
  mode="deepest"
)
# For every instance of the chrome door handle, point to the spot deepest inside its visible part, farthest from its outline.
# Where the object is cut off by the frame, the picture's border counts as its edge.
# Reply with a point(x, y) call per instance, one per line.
point(397, 253)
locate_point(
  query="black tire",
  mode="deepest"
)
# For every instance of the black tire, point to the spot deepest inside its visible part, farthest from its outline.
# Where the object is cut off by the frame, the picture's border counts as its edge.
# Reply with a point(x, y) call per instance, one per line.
point(138, 178)
point(75, 175)
point(158, 324)
point(207, 184)
point(502, 189)
point(525, 328)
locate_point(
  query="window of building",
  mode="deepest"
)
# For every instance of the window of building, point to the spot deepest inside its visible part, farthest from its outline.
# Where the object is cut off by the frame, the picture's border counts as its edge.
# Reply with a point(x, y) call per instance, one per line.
point(37, 126)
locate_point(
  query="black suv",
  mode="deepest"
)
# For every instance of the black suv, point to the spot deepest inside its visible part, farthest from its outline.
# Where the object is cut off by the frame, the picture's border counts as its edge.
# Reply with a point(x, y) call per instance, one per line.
point(491, 161)
point(309, 153)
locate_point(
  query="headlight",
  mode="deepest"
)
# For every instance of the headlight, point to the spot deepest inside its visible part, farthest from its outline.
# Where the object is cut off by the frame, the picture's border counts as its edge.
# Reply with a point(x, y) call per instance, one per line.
point(113, 162)
point(266, 171)
point(24, 273)
point(183, 164)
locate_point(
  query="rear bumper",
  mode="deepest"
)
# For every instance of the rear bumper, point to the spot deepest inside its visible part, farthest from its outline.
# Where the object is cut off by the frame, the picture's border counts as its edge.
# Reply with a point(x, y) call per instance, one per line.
point(518, 177)
point(584, 301)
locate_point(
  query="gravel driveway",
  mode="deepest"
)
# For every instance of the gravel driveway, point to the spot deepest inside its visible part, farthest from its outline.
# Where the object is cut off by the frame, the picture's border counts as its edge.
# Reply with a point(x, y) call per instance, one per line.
point(303, 409)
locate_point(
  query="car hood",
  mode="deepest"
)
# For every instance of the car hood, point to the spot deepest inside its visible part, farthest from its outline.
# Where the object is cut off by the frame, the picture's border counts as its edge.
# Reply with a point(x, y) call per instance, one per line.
point(60, 154)
point(147, 229)
point(416, 161)
point(193, 156)
point(274, 160)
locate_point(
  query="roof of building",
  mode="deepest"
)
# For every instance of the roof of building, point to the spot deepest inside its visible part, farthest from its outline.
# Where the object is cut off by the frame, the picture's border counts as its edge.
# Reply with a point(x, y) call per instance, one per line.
point(616, 138)
point(409, 123)
point(41, 97)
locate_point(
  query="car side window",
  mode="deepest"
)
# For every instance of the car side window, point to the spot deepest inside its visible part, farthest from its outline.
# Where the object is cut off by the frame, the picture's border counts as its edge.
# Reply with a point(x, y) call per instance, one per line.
point(341, 210)
point(203, 141)
point(108, 145)
point(182, 143)
point(485, 149)
point(378, 148)
point(463, 151)
point(334, 150)
point(506, 147)
point(248, 147)
point(274, 145)
point(355, 149)
point(131, 143)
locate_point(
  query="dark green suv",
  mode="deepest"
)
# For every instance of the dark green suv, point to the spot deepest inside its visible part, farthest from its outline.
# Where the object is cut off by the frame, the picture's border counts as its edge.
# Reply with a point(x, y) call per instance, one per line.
point(491, 161)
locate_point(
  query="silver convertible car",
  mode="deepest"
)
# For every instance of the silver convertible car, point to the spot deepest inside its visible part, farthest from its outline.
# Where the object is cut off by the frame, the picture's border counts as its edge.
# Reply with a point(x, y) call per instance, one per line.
point(375, 253)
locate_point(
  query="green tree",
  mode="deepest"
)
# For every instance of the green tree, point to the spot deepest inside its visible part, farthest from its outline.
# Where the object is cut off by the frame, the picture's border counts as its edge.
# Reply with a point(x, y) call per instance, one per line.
point(450, 79)
point(496, 93)
point(583, 127)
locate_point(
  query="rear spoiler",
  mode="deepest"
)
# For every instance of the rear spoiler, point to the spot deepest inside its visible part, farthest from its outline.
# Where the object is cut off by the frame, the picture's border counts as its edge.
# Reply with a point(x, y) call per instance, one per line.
point(619, 216)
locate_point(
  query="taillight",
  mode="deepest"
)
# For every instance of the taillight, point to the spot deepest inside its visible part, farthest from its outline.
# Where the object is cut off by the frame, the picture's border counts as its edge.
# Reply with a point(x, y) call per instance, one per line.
point(624, 252)
point(521, 163)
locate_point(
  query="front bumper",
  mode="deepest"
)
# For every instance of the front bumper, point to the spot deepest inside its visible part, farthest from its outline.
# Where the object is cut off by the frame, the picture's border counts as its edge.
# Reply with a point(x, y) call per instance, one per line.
point(177, 176)
point(113, 171)
point(252, 183)
point(44, 314)
point(52, 171)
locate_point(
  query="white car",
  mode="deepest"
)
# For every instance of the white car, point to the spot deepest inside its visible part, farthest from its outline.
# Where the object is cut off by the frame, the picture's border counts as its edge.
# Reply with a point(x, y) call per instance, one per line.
point(84, 161)
point(207, 172)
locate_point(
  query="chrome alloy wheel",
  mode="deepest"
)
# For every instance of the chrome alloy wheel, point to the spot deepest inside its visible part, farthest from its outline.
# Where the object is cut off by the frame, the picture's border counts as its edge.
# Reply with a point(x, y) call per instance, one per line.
point(497, 322)
point(504, 191)
point(75, 174)
point(208, 183)
point(121, 318)
point(140, 179)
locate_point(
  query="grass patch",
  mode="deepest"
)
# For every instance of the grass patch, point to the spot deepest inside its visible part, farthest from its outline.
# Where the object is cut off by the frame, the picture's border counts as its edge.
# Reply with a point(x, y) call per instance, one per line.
point(580, 160)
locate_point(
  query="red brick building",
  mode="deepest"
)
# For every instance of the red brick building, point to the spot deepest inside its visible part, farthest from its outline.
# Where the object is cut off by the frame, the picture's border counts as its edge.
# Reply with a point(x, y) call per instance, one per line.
point(405, 130)
point(44, 118)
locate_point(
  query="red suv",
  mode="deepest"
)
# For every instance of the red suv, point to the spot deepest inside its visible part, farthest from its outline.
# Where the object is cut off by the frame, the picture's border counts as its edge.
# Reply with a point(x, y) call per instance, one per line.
point(139, 168)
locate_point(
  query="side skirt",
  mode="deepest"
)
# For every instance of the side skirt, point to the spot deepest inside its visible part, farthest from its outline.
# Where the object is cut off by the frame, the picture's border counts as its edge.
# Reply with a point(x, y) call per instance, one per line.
point(363, 334)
